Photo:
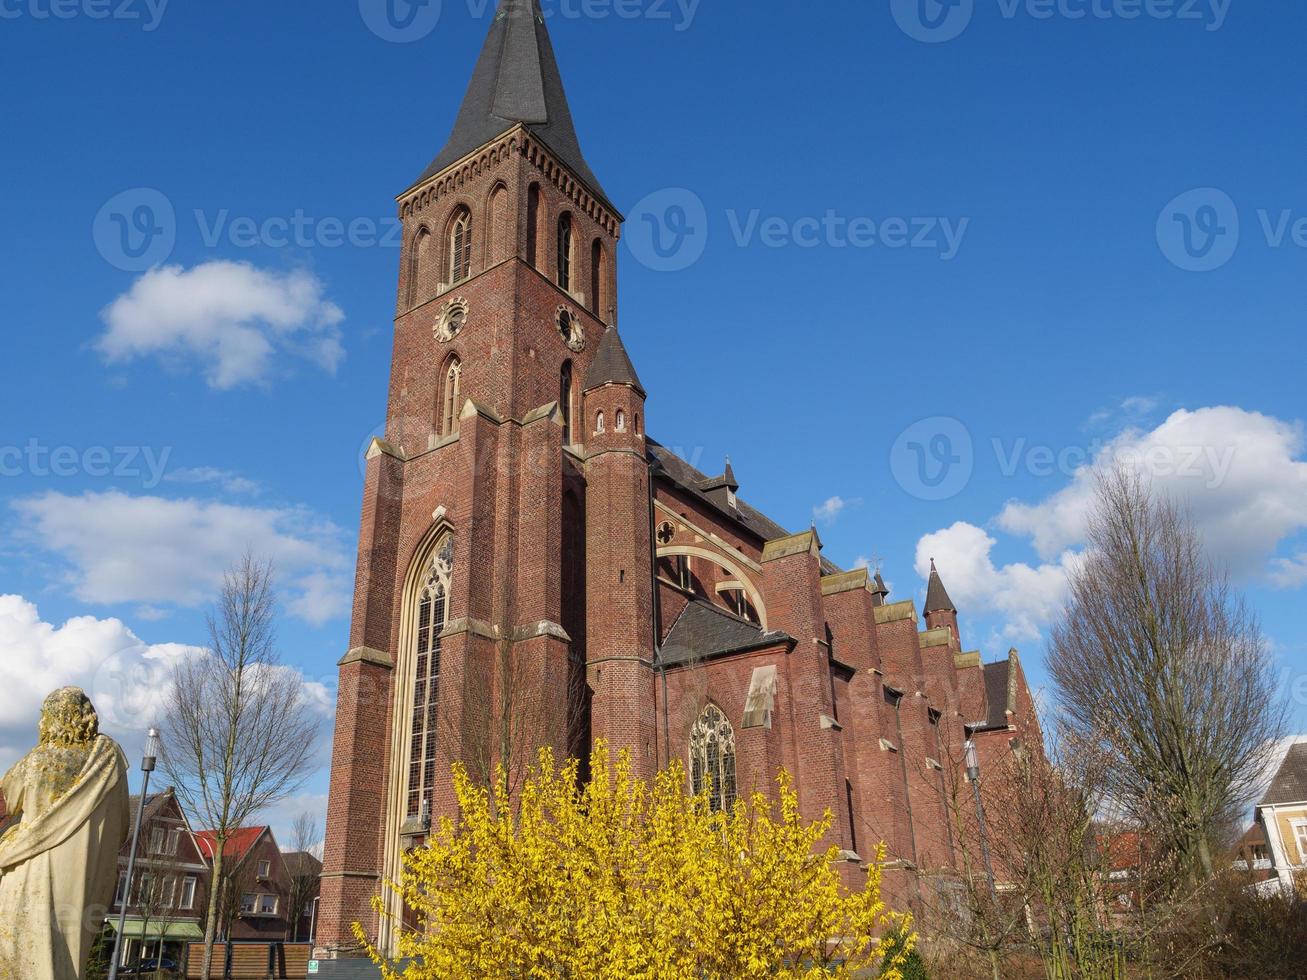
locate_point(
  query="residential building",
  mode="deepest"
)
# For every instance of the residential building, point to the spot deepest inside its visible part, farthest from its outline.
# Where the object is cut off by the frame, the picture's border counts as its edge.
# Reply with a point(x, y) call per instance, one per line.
point(256, 902)
point(1282, 814)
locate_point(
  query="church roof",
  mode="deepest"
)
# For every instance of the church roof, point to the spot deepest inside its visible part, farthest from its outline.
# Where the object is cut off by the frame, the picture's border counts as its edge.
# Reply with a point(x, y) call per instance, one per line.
point(997, 688)
point(516, 80)
point(667, 464)
point(703, 631)
point(1290, 783)
point(612, 365)
point(937, 599)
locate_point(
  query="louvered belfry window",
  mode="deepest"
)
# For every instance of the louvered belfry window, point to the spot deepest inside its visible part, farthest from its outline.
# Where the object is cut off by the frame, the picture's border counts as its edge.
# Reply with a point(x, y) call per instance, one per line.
point(565, 252)
point(460, 247)
point(432, 615)
point(712, 758)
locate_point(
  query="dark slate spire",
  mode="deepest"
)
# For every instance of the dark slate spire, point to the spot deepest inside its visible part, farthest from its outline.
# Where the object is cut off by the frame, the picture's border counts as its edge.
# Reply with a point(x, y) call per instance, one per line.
point(726, 481)
point(612, 365)
point(881, 588)
point(937, 599)
point(516, 80)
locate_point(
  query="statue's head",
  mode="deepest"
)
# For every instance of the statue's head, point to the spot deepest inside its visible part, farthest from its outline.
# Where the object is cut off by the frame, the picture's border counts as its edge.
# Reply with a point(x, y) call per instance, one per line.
point(68, 718)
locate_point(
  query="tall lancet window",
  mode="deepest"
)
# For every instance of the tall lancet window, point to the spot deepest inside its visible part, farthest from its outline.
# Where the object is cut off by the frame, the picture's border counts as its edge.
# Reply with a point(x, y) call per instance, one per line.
point(565, 252)
point(565, 401)
point(453, 404)
point(460, 246)
point(712, 758)
point(432, 615)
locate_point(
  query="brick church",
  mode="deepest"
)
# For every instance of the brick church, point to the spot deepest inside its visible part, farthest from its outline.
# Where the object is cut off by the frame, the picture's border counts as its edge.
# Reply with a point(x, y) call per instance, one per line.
point(535, 569)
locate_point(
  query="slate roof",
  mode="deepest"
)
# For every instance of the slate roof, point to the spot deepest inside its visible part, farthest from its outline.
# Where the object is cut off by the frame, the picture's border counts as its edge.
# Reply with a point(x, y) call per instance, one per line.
point(612, 365)
point(1290, 783)
point(703, 631)
point(937, 599)
point(516, 80)
point(997, 677)
point(692, 481)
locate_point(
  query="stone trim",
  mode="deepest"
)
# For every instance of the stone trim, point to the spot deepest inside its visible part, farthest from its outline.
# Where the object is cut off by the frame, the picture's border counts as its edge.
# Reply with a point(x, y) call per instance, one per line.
point(472, 408)
point(736, 555)
point(941, 637)
point(477, 627)
point(380, 447)
point(963, 661)
point(550, 412)
point(795, 544)
point(895, 612)
point(620, 660)
point(367, 655)
point(543, 628)
point(829, 724)
point(435, 441)
point(846, 582)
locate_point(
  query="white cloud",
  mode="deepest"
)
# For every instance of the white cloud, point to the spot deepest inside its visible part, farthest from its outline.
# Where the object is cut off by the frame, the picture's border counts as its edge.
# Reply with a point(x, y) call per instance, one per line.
point(125, 677)
point(1027, 596)
point(1239, 473)
point(232, 483)
point(1290, 573)
point(154, 551)
point(828, 512)
point(231, 317)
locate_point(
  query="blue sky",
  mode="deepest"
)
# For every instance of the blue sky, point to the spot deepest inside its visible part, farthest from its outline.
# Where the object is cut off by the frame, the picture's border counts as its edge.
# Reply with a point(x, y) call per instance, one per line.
point(912, 269)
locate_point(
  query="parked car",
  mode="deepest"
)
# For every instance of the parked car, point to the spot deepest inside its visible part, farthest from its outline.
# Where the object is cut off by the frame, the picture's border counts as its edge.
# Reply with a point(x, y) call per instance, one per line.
point(149, 968)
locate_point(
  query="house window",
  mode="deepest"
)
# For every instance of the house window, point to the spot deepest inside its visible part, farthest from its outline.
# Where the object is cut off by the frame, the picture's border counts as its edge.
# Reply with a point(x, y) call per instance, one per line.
point(168, 893)
point(249, 903)
point(188, 895)
point(174, 841)
point(565, 252)
point(712, 758)
point(565, 400)
point(158, 838)
point(1300, 835)
point(265, 869)
point(432, 614)
point(120, 896)
point(145, 890)
point(267, 905)
point(460, 246)
point(453, 397)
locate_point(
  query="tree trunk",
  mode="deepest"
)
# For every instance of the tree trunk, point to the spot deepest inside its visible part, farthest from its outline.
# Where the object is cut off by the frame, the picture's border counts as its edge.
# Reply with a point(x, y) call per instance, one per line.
point(211, 924)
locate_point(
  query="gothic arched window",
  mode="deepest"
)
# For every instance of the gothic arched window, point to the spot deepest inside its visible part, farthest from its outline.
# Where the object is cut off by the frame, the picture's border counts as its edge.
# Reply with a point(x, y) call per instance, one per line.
point(418, 265)
point(565, 401)
point(565, 252)
point(431, 615)
point(597, 275)
point(460, 246)
point(452, 404)
point(712, 758)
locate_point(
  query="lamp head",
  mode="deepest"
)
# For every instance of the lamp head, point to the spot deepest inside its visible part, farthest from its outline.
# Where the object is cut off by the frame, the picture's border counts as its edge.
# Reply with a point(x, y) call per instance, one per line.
point(152, 748)
point(973, 760)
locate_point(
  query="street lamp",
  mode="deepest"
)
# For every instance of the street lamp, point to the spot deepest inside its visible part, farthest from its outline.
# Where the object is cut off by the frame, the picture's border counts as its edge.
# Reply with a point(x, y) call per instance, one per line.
point(973, 774)
point(148, 761)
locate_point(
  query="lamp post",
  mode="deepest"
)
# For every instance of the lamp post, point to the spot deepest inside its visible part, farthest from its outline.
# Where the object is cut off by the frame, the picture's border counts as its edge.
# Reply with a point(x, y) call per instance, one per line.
point(148, 761)
point(973, 774)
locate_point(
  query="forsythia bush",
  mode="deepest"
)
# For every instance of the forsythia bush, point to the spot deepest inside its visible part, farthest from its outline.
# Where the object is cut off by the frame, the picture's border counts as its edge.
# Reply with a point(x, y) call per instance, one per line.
point(625, 879)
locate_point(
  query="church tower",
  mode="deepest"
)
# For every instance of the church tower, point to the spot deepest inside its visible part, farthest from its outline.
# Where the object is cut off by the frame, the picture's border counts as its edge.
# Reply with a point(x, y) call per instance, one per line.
point(504, 581)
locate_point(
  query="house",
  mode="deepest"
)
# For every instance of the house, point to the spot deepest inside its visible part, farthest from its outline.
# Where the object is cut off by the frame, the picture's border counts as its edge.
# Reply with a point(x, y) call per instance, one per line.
point(257, 896)
point(1282, 815)
point(1253, 854)
point(522, 531)
point(168, 895)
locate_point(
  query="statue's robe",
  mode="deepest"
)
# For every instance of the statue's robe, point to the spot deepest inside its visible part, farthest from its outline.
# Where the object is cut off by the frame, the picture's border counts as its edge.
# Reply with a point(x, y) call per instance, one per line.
point(59, 864)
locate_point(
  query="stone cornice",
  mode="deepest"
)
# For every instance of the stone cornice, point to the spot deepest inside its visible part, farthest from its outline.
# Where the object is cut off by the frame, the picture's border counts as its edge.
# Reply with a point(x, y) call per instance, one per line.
point(367, 655)
point(895, 612)
point(846, 582)
point(794, 544)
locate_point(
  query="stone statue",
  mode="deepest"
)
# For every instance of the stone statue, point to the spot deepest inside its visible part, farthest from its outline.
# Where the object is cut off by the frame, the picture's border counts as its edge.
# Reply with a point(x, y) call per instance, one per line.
point(69, 816)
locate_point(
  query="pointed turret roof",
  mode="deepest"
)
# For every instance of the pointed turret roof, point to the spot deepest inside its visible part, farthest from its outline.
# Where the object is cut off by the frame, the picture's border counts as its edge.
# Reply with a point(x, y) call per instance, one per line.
point(516, 80)
point(881, 588)
point(612, 365)
point(937, 599)
point(726, 481)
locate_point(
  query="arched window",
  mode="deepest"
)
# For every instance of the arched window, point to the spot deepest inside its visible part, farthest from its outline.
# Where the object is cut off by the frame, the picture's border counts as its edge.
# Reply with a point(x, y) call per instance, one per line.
point(621, 421)
point(452, 404)
point(418, 265)
point(532, 225)
point(565, 252)
point(565, 400)
point(712, 758)
point(431, 615)
point(498, 239)
point(599, 423)
point(460, 246)
point(597, 274)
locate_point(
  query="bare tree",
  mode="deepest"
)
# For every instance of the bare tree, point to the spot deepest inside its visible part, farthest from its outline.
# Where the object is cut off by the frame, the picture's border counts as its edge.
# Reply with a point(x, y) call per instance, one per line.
point(240, 737)
point(305, 836)
point(1162, 669)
